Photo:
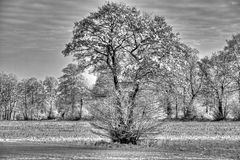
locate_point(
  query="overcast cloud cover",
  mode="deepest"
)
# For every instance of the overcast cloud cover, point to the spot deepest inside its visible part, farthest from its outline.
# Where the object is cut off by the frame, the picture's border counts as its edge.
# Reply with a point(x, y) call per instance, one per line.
point(33, 32)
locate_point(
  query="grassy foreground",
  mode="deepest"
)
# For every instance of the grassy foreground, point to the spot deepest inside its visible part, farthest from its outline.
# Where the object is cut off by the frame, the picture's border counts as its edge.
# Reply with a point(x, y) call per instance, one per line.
point(78, 131)
point(212, 140)
point(46, 131)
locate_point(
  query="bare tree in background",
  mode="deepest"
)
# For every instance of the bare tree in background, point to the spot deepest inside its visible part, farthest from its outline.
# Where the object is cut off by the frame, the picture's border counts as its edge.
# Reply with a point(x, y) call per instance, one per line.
point(71, 91)
point(217, 80)
point(51, 85)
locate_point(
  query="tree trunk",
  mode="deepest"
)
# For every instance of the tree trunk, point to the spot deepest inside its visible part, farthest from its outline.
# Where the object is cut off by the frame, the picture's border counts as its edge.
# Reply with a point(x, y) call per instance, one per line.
point(10, 114)
point(51, 109)
point(5, 112)
point(73, 104)
point(14, 114)
point(31, 114)
point(49, 115)
point(132, 98)
point(189, 109)
point(25, 108)
point(81, 105)
point(37, 111)
point(113, 67)
point(6, 116)
point(62, 115)
point(219, 112)
point(118, 99)
point(239, 93)
point(238, 83)
point(72, 109)
point(176, 107)
point(220, 106)
point(220, 102)
point(168, 107)
point(184, 102)
point(25, 115)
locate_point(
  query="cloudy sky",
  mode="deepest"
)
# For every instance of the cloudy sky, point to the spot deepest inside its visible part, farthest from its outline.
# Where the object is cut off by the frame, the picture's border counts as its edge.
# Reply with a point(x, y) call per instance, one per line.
point(33, 32)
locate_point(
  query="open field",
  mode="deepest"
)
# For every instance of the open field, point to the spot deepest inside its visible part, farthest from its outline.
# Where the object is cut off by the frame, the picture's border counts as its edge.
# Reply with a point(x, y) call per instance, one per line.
point(65, 140)
point(47, 131)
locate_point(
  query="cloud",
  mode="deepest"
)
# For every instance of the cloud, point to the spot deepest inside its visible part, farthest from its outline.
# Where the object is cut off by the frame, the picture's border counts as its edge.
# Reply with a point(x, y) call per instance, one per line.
point(35, 28)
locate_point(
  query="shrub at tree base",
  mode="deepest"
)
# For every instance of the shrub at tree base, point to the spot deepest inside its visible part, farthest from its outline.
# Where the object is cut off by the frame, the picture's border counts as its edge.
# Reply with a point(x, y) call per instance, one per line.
point(107, 122)
point(220, 115)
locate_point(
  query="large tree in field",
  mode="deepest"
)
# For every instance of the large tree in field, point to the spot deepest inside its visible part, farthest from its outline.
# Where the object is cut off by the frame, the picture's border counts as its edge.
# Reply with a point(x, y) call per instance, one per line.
point(134, 48)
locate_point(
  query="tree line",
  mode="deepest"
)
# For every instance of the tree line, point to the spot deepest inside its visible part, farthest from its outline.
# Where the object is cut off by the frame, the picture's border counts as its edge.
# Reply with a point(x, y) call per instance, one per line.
point(33, 99)
point(145, 72)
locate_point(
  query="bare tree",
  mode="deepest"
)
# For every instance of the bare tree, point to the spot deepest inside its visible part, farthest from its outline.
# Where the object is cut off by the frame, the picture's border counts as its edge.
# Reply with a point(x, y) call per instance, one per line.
point(8, 95)
point(132, 47)
point(72, 89)
point(51, 85)
point(232, 50)
point(217, 80)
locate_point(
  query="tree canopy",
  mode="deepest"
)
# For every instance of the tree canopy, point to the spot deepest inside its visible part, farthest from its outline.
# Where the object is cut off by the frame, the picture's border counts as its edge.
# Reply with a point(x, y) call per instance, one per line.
point(133, 47)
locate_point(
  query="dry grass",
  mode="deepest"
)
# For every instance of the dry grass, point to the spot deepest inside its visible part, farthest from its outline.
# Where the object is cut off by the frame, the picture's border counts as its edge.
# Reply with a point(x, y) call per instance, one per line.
point(46, 131)
point(45, 151)
point(212, 140)
point(80, 131)
point(199, 131)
